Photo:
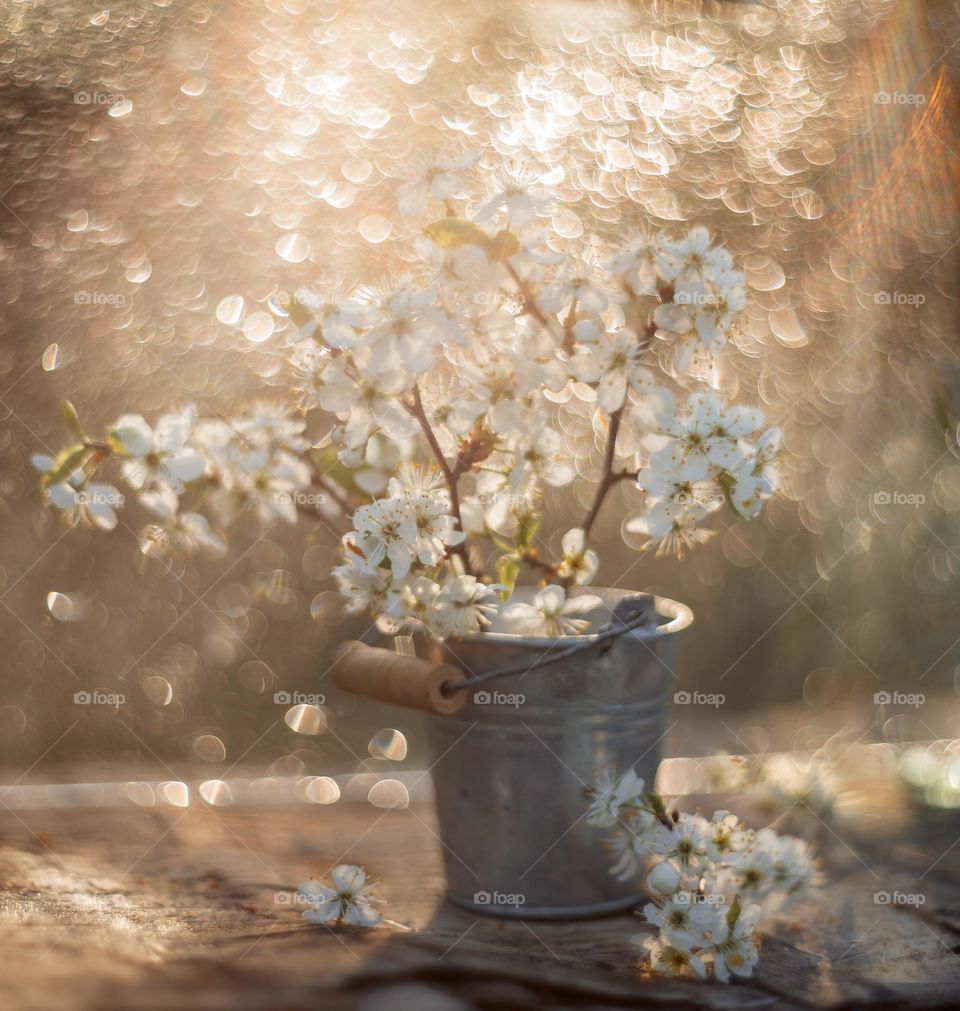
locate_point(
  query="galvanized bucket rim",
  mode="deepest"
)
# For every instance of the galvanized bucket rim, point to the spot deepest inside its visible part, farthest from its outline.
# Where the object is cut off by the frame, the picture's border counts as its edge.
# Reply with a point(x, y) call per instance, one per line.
point(679, 617)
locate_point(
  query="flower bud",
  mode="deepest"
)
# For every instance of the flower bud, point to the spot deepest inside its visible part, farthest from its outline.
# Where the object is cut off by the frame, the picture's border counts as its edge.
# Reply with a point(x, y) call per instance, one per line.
point(664, 878)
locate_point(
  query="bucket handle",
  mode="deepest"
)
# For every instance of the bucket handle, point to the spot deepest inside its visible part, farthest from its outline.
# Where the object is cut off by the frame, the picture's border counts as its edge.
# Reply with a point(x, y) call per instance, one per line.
point(438, 687)
point(629, 615)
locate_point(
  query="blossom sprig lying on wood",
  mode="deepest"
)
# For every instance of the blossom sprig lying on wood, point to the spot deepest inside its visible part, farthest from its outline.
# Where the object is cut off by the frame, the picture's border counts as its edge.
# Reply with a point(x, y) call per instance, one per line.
point(500, 354)
point(350, 900)
point(712, 881)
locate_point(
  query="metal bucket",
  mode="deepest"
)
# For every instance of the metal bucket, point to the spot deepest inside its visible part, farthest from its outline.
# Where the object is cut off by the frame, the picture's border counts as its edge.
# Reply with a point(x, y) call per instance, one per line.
point(512, 768)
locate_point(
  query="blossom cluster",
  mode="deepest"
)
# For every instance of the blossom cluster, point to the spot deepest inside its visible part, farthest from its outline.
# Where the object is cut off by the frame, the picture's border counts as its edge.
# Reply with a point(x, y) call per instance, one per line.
point(411, 531)
point(482, 351)
point(712, 880)
point(504, 361)
point(252, 463)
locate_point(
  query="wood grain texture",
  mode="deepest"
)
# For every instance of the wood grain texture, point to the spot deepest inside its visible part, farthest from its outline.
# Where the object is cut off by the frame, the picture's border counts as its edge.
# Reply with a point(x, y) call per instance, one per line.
point(123, 910)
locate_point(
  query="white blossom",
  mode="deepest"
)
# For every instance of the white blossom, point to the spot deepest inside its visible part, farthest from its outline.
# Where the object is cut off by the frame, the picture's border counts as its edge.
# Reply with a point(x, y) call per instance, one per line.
point(692, 258)
point(577, 561)
point(735, 952)
point(433, 177)
point(369, 588)
point(664, 877)
point(635, 266)
point(386, 530)
point(158, 454)
point(552, 613)
point(464, 605)
point(683, 920)
point(494, 359)
point(178, 531)
point(350, 900)
point(367, 402)
point(611, 795)
point(538, 456)
point(613, 362)
point(669, 960)
point(703, 876)
point(517, 193)
point(89, 505)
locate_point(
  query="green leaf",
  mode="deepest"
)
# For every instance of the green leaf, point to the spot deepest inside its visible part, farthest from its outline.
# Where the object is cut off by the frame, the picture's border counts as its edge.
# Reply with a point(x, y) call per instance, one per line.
point(502, 246)
point(725, 481)
point(499, 541)
point(72, 419)
point(452, 233)
point(66, 463)
point(733, 913)
point(526, 530)
point(116, 443)
point(656, 805)
point(508, 568)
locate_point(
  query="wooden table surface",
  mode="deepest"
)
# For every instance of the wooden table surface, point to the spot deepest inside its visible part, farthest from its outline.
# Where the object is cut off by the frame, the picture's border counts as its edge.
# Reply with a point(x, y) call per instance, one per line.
point(143, 909)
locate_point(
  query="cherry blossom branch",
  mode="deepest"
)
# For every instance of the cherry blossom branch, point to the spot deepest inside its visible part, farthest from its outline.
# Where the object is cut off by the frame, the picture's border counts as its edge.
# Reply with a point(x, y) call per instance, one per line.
point(568, 324)
point(549, 569)
point(449, 475)
point(609, 479)
point(529, 302)
point(105, 451)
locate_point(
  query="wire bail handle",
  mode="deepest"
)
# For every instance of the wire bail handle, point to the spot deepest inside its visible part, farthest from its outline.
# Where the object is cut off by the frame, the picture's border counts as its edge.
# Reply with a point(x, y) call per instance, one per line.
point(630, 614)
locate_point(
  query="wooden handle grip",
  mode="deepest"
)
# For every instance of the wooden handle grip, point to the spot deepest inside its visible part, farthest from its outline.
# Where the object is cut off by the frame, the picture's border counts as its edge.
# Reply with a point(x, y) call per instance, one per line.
point(392, 677)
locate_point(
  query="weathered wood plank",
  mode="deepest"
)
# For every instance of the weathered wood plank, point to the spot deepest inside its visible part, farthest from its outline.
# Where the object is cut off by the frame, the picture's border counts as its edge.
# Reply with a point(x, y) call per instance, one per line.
point(169, 908)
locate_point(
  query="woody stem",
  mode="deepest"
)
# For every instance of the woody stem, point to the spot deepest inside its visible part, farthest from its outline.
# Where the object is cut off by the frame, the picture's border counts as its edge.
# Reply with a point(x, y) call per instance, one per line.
point(450, 477)
point(609, 478)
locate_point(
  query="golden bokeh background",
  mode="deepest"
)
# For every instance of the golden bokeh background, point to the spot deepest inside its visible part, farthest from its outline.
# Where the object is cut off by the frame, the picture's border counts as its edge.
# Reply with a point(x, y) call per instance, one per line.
point(161, 157)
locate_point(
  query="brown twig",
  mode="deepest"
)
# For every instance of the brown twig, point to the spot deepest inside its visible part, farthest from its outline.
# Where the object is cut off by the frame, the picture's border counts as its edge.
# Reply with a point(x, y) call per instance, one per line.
point(529, 302)
point(531, 558)
point(450, 477)
point(610, 478)
point(570, 319)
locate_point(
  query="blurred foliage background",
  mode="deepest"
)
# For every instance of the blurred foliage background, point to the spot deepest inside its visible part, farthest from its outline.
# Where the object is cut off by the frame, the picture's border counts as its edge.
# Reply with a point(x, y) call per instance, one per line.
point(155, 156)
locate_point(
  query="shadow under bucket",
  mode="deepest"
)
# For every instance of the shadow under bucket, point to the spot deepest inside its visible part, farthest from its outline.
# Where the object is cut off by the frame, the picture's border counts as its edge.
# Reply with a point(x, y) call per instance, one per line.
point(513, 767)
